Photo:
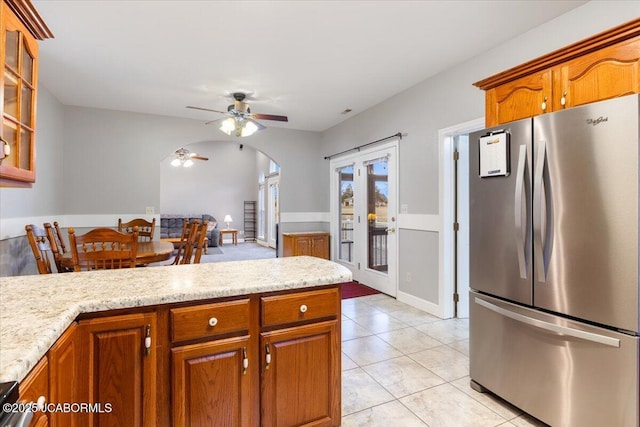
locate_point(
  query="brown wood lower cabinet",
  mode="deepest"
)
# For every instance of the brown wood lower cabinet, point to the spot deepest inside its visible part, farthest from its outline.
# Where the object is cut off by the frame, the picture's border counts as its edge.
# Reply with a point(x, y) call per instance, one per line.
point(312, 244)
point(301, 376)
point(269, 359)
point(211, 384)
point(119, 369)
point(64, 376)
point(34, 389)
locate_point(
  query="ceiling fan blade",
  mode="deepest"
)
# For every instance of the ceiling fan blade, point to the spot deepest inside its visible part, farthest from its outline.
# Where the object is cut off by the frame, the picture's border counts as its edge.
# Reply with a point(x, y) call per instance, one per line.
point(199, 158)
point(216, 120)
point(207, 109)
point(269, 117)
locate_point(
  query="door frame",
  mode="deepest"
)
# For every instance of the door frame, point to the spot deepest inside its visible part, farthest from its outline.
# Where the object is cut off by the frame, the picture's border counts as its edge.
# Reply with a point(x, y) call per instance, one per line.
point(447, 200)
point(272, 209)
point(354, 158)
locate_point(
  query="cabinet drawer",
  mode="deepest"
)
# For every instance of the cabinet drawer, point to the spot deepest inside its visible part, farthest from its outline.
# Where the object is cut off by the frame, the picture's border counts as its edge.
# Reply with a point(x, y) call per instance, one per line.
point(299, 306)
point(209, 320)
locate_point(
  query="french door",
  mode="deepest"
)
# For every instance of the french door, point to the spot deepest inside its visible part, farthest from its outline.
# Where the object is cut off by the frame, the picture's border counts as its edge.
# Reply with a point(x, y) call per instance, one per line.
point(364, 219)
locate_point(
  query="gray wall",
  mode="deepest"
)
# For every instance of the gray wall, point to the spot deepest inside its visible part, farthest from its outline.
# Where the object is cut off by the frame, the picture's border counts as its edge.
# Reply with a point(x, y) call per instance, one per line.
point(45, 197)
point(446, 100)
point(216, 187)
point(113, 159)
point(42, 202)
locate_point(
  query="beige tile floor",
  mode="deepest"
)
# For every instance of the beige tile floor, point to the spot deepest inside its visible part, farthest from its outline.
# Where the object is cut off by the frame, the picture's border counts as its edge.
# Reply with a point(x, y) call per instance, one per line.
point(404, 367)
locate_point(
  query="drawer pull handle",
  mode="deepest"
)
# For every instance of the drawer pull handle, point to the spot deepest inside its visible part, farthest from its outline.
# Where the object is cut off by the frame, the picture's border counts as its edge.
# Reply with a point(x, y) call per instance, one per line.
point(245, 361)
point(267, 357)
point(303, 308)
point(41, 402)
point(213, 322)
point(147, 340)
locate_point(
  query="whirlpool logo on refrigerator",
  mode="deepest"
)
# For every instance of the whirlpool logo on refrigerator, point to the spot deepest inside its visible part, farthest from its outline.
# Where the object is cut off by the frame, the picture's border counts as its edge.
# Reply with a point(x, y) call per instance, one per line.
point(595, 122)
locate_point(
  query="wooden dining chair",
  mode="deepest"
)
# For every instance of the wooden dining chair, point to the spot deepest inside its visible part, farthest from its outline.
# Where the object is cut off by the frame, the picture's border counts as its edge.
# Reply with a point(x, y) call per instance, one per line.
point(191, 242)
point(103, 248)
point(57, 246)
point(145, 228)
point(186, 229)
point(201, 235)
point(41, 248)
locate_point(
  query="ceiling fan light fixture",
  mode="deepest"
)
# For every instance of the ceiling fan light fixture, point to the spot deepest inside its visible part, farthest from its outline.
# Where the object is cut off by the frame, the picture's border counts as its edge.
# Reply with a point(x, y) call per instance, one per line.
point(187, 163)
point(228, 125)
point(249, 128)
point(176, 162)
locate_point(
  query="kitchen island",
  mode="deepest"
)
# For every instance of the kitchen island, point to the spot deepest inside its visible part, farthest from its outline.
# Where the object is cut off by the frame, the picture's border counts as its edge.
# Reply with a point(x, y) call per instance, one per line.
point(258, 297)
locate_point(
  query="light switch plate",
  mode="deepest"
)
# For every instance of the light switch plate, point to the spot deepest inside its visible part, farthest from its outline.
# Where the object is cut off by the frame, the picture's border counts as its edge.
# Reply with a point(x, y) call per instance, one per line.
point(150, 210)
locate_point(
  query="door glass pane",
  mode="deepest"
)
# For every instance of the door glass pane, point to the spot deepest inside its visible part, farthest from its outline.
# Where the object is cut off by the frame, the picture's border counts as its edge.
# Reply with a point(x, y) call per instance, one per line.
point(25, 149)
point(345, 244)
point(25, 114)
point(10, 134)
point(27, 65)
point(377, 220)
point(10, 94)
point(11, 49)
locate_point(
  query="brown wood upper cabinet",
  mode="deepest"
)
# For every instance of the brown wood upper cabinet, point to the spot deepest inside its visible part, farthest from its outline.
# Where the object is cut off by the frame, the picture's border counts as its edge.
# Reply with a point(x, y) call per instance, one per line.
point(604, 66)
point(20, 28)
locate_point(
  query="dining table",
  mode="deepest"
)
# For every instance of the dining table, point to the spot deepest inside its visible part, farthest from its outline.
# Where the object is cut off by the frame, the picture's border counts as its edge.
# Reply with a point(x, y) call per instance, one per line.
point(147, 253)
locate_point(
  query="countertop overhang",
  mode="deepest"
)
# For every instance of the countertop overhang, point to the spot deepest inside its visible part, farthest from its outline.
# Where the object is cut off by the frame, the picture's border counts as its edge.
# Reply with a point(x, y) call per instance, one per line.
point(36, 310)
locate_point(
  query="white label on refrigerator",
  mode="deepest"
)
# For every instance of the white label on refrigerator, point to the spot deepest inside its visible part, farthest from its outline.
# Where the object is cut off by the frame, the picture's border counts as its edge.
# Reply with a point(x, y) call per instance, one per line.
point(494, 155)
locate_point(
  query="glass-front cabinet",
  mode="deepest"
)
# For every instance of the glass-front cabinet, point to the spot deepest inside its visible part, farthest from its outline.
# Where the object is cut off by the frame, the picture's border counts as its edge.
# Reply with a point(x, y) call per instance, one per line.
point(18, 88)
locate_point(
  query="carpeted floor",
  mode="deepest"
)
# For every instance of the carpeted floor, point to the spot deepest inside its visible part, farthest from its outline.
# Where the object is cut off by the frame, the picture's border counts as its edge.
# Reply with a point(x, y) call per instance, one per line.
point(243, 250)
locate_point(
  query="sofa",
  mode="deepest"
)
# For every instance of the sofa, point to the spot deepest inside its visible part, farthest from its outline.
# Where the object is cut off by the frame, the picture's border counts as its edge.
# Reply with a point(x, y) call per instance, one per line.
point(171, 226)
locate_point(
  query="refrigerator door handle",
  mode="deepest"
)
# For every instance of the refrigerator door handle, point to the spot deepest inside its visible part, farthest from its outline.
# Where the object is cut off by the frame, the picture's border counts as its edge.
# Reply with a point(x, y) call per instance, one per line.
point(551, 327)
point(538, 232)
point(520, 222)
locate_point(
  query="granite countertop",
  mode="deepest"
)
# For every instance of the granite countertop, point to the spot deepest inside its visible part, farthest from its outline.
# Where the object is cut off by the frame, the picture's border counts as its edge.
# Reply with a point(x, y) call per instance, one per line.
point(36, 310)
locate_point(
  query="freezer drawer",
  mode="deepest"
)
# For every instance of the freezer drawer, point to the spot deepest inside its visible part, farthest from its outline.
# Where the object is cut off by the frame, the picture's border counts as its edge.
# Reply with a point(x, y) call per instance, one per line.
point(562, 372)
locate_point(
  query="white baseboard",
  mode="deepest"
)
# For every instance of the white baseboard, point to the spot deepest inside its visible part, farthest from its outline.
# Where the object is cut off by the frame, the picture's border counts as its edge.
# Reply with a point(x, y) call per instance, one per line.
point(420, 303)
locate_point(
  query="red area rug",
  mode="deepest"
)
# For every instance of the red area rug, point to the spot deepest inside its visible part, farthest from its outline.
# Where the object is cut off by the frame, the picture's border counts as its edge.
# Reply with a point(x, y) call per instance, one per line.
point(355, 289)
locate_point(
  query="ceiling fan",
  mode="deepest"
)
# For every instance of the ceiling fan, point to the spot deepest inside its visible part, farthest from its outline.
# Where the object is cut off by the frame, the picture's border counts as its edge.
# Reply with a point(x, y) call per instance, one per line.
point(185, 158)
point(241, 120)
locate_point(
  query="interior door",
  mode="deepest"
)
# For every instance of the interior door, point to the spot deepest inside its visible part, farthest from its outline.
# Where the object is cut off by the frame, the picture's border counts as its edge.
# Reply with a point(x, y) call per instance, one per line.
point(364, 216)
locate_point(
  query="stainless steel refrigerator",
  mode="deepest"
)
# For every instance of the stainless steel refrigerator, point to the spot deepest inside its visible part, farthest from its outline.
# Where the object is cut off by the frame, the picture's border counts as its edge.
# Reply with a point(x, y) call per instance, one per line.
point(553, 263)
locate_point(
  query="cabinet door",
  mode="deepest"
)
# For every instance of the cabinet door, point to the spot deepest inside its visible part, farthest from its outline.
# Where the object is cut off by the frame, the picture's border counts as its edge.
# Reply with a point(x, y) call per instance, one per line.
point(211, 384)
point(64, 375)
point(18, 59)
point(301, 383)
point(35, 388)
point(320, 246)
point(521, 98)
point(302, 246)
point(121, 370)
point(606, 73)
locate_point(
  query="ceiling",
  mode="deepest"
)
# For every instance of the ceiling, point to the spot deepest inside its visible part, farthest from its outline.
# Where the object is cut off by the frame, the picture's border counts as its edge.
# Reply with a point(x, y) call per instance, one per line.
point(309, 60)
